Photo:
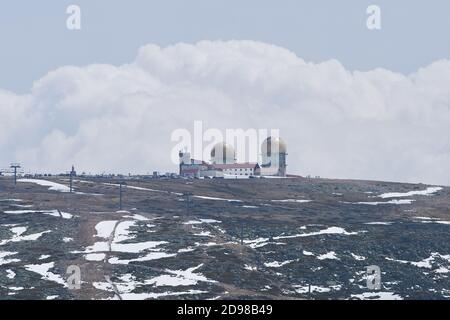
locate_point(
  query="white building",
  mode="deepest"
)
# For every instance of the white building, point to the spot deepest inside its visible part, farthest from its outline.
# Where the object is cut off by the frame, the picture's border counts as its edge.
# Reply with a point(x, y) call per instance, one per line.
point(224, 164)
point(237, 169)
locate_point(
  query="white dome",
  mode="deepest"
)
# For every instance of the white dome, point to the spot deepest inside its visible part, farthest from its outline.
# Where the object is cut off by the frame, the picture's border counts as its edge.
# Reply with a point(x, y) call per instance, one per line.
point(276, 144)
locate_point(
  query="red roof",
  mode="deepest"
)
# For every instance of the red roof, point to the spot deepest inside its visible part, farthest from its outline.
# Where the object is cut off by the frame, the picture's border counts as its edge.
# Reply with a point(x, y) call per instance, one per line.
point(235, 166)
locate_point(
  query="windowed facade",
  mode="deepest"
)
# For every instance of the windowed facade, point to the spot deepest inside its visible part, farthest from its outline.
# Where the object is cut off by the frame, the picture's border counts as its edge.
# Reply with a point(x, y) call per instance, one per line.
point(241, 170)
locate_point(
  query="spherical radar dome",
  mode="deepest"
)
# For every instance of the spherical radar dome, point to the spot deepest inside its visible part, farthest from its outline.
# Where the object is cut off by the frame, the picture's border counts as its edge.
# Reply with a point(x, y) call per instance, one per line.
point(277, 145)
point(224, 151)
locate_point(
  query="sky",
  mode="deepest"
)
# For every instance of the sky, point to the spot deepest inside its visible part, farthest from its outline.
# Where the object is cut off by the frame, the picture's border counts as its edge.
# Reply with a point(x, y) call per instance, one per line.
point(350, 102)
point(34, 38)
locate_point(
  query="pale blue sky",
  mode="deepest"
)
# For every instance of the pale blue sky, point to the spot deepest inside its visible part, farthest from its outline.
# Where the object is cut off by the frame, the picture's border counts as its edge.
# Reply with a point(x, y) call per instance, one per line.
point(34, 38)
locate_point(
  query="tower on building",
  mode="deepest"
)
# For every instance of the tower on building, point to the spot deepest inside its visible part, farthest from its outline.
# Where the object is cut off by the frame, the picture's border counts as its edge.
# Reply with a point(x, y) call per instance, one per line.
point(274, 152)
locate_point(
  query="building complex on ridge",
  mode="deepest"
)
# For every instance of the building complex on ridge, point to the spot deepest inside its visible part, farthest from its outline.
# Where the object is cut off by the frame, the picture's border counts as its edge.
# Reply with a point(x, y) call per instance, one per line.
point(224, 164)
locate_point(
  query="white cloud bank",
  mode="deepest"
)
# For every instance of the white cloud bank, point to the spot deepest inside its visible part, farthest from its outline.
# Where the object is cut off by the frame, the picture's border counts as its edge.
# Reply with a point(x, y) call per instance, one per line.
point(370, 125)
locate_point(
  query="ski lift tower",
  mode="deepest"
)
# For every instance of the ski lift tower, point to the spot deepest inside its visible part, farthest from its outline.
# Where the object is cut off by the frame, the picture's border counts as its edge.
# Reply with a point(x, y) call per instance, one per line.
point(15, 166)
point(72, 174)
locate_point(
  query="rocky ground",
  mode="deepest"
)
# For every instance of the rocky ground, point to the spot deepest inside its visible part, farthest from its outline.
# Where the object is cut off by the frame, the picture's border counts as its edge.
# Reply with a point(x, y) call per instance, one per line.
point(243, 239)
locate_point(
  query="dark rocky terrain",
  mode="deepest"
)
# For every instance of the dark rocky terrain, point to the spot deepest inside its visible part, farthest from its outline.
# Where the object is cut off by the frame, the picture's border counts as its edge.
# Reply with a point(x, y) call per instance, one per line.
point(302, 239)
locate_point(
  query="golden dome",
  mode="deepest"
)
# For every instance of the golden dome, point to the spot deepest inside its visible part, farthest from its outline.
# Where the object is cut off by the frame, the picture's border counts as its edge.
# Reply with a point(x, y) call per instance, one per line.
point(224, 150)
point(275, 144)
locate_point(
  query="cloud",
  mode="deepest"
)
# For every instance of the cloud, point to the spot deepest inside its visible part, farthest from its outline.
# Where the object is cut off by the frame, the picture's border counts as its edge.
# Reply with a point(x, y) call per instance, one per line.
point(376, 125)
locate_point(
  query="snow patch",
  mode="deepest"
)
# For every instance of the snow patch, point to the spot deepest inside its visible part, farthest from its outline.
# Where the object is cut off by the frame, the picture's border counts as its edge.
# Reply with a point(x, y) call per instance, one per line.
point(302, 289)
point(95, 257)
point(293, 200)
point(328, 256)
point(396, 202)
point(4, 261)
point(358, 258)
point(429, 191)
point(276, 264)
point(54, 213)
point(18, 236)
point(10, 274)
point(105, 229)
point(44, 271)
point(45, 183)
point(328, 231)
point(379, 223)
point(216, 199)
point(377, 296)
point(179, 278)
